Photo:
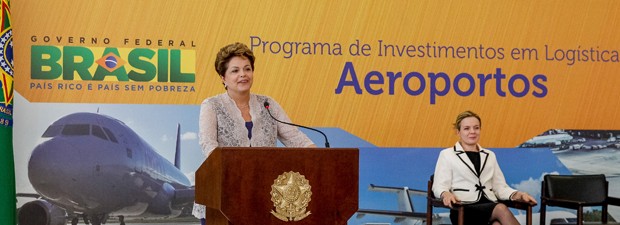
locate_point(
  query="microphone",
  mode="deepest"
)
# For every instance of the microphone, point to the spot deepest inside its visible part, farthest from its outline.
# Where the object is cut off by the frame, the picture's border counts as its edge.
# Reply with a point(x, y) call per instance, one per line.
point(266, 104)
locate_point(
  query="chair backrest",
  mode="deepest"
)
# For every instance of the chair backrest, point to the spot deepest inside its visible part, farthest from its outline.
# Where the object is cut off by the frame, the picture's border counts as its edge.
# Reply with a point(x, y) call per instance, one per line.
point(582, 188)
point(430, 186)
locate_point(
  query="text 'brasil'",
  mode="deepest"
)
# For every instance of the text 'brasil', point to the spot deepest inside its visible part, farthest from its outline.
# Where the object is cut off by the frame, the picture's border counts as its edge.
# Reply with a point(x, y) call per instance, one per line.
point(112, 64)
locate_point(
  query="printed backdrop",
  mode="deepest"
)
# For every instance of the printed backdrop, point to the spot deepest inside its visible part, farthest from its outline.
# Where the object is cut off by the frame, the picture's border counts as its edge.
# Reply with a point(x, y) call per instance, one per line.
point(367, 67)
point(394, 74)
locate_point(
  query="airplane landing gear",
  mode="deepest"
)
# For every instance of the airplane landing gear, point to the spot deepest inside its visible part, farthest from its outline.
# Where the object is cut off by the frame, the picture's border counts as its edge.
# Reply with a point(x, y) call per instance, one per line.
point(86, 221)
point(121, 219)
point(98, 219)
point(74, 221)
point(95, 221)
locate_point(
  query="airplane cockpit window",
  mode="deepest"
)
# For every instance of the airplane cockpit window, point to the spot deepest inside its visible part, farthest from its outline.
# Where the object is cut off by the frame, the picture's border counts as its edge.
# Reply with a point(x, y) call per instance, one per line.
point(98, 132)
point(76, 129)
point(110, 135)
point(52, 131)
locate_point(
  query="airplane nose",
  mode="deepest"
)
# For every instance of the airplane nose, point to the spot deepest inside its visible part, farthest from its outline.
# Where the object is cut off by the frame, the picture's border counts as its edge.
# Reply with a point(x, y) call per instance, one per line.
point(50, 168)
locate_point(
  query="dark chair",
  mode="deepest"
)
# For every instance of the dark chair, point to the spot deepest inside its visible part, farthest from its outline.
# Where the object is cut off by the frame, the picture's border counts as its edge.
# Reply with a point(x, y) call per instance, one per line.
point(576, 192)
point(433, 201)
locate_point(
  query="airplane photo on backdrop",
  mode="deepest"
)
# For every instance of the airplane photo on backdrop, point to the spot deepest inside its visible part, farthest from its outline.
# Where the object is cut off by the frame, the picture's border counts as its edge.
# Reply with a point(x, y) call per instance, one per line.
point(406, 213)
point(139, 173)
point(93, 166)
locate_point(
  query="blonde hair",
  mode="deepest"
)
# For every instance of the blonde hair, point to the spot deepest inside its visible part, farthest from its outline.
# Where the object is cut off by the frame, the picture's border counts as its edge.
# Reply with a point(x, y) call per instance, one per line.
point(463, 115)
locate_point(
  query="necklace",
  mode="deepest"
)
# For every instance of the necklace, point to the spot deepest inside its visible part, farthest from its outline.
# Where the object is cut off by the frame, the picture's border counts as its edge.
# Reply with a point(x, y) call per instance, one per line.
point(243, 106)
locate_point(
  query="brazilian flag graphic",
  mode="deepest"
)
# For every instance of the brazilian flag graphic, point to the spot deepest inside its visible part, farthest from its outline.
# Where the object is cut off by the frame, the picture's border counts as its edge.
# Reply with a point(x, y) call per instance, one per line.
point(7, 169)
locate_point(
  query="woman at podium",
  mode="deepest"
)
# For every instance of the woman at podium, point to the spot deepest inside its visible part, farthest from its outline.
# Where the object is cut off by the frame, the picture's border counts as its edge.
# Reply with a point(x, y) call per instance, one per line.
point(239, 118)
point(469, 174)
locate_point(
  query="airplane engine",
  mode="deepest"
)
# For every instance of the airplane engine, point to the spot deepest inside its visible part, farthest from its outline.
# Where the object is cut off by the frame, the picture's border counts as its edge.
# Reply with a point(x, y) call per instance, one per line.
point(41, 212)
point(163, 200)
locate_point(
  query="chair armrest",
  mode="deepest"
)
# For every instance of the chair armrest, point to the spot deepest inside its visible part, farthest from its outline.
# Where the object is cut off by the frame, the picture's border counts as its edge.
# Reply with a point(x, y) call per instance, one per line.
point(563, 203)
point(613, 201)
point(437, 202)
point(518, 205)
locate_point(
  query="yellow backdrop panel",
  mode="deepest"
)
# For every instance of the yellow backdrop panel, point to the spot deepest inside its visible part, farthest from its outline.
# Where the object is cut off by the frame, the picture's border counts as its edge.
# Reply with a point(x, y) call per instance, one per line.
point(559, 59)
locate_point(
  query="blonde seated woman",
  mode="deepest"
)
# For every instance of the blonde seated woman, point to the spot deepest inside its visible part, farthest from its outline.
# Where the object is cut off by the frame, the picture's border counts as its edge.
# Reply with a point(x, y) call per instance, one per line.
point(468, 174)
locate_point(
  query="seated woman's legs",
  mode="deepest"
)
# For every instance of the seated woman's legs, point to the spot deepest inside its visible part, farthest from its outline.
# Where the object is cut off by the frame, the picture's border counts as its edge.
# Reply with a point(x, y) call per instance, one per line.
point(503, 215)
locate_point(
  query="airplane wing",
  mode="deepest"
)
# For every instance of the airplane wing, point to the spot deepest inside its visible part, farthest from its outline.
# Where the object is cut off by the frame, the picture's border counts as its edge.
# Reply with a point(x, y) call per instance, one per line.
point(406, 210)
point(28, 195)
point(396, 189)
point(398, 215)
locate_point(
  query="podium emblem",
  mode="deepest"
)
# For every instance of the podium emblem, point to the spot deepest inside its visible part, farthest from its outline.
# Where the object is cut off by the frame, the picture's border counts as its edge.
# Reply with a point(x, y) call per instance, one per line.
point(290, 194)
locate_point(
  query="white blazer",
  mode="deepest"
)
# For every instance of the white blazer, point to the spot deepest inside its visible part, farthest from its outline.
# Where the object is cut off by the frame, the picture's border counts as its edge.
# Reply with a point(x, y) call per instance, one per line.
point(454, 172)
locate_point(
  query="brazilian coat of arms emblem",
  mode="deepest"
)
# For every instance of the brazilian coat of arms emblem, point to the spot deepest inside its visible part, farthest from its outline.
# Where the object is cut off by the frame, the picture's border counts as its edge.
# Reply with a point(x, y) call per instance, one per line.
point(290, 194)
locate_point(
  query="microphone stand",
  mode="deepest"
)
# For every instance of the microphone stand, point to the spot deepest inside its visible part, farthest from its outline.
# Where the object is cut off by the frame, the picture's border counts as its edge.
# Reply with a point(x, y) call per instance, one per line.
point(266, 104)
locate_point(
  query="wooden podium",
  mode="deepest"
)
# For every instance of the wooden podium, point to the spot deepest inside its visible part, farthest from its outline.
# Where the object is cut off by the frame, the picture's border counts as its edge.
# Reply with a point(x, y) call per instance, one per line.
point(239, 185)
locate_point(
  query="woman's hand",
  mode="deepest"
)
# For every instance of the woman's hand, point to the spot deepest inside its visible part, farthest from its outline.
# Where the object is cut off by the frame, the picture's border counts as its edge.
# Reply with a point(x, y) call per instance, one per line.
point(448, 198)
point(523, 197)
